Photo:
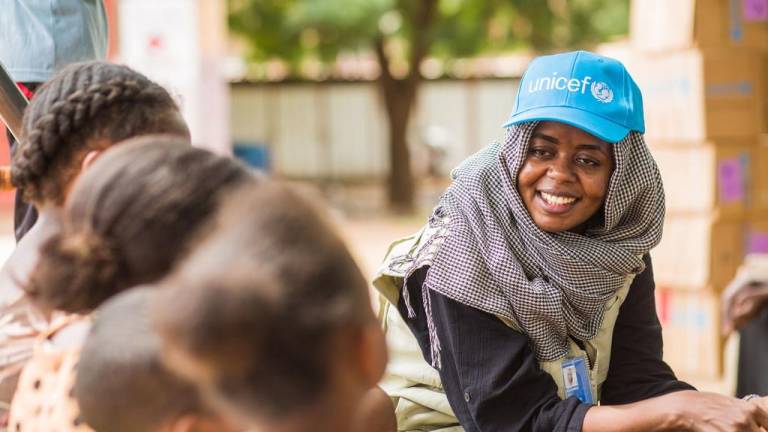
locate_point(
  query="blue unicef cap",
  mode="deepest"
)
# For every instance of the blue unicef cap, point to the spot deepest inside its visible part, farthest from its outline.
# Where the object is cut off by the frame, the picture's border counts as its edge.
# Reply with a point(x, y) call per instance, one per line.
point(582, 89)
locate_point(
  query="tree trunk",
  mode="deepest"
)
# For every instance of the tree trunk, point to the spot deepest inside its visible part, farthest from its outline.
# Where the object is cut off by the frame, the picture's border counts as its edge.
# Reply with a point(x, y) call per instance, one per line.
point(399, 97)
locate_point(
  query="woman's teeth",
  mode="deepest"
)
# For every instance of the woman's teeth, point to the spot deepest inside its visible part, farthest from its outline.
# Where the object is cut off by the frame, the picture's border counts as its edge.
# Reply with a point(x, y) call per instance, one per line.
point(557, 200)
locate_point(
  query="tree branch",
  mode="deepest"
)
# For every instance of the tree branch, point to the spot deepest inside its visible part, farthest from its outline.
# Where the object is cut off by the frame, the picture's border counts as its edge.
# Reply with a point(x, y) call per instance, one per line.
point(421, 24)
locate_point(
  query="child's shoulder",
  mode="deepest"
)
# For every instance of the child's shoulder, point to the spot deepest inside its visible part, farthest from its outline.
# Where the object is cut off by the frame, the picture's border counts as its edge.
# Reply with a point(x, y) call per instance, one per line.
point(44, 398)
point(66, 333)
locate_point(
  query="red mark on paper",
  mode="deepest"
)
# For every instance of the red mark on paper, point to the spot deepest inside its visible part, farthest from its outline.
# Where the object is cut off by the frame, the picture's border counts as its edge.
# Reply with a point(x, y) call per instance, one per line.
point(155, 42)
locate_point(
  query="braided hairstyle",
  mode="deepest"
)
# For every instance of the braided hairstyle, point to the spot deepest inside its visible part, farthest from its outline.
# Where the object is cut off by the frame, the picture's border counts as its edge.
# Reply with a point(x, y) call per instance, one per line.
point(86, 106)
point(128, 218)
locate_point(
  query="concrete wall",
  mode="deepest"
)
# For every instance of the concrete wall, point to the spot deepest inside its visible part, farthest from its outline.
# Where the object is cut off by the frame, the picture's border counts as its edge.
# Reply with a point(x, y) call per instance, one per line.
point(337, 131)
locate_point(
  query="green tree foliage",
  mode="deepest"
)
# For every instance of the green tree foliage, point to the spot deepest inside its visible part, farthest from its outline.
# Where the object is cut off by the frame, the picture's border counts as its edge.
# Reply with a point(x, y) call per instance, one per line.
point(402, 33)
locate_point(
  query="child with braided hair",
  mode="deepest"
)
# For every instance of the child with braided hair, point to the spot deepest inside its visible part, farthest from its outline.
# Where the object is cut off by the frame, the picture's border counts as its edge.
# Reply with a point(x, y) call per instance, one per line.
point(87, 107)
point(270, 317)
point(82, 110)
point(40, 38)
point(126, 222)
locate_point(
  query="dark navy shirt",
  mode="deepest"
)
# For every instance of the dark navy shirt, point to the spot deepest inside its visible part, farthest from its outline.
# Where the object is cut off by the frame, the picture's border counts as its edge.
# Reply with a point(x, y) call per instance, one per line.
point(493, 380)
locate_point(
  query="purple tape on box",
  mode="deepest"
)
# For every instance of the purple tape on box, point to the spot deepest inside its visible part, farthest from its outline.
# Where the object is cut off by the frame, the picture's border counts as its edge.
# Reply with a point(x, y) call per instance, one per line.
point(757, 242)
point(755, 10)
point(730, 176)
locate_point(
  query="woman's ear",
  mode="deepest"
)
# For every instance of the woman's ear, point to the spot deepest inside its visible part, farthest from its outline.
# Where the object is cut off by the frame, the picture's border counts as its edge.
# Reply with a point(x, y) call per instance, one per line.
point(90, 158)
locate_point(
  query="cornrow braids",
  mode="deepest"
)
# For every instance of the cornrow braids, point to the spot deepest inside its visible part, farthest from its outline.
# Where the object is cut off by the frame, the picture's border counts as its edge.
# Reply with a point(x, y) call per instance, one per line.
point(86, 106)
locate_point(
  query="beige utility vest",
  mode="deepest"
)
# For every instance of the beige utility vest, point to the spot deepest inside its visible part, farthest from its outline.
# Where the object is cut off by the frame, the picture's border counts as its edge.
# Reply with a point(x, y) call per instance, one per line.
point(415, 387)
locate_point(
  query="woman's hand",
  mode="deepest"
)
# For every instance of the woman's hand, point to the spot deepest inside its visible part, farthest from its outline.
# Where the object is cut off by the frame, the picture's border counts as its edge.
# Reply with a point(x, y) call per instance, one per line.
point(682, 411)
point(746, 295)
point(710, 412)
point(742, 302)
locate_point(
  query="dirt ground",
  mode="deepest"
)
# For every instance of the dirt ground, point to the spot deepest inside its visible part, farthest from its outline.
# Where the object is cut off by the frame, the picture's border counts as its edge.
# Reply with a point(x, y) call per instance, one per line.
point(369, 238)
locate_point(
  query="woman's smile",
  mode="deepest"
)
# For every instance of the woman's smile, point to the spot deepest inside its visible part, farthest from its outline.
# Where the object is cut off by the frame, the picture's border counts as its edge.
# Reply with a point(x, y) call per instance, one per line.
point(556, 202)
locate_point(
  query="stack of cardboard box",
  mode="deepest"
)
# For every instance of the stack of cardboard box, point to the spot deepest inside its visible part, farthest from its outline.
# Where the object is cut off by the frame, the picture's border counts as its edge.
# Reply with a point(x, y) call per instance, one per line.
point(702, 65)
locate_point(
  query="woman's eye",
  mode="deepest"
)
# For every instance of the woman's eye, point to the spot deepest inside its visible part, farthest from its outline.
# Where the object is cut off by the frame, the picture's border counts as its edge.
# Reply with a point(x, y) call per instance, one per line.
point(588, 162)
point(537, 152)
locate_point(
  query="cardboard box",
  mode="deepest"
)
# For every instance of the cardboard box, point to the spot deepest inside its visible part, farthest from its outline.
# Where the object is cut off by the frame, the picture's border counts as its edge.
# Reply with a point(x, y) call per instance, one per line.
point(699, 95)
point(756, 233)
point(698, 252)
point(759, 176)
point(763, 91)
point(666, 25)
point(691, 330)
point(708, 177)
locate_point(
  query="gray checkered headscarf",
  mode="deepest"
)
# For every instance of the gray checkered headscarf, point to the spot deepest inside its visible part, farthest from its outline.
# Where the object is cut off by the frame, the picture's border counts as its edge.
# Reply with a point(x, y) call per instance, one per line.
point(493, 257)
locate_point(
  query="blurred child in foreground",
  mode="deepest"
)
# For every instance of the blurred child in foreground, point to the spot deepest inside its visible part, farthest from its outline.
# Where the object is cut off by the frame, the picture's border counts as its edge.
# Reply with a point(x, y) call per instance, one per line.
point(126, 222)
point(84, 109)
point(271, 318)
point(122, 385)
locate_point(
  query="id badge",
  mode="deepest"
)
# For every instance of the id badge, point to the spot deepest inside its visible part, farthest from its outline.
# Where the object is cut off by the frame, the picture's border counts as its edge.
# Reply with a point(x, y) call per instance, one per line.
point(576, 379)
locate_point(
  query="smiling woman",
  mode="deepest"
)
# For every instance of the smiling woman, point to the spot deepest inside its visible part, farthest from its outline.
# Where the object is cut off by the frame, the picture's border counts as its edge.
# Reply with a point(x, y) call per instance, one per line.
point(530, 291)
point(564, 179)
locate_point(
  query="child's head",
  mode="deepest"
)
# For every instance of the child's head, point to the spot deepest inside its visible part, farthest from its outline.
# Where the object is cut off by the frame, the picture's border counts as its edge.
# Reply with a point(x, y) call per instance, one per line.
point(270, 314)
point(128, 218)
point(86, 107)
point(122, 385)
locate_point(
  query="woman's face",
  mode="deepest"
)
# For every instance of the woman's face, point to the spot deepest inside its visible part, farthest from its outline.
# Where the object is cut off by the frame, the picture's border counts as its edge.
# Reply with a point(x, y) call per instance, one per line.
point(564, 178)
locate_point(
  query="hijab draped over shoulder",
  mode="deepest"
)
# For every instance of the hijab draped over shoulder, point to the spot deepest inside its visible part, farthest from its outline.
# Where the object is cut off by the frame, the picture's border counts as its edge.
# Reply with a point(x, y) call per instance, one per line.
point(493, 257)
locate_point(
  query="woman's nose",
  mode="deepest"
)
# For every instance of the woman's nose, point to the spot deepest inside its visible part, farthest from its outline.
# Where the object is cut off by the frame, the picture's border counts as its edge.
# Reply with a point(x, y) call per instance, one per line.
point(561, 169)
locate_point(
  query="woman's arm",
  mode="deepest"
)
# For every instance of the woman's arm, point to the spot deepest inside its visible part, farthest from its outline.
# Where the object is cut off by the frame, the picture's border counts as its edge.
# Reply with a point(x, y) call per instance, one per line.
point(493, 383)
point(490, 375)
point(637, 370)
point(643, 390)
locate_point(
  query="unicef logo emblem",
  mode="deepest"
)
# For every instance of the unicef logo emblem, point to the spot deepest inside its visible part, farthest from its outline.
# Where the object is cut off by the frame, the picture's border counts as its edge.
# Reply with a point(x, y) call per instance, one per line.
point(602, 92)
